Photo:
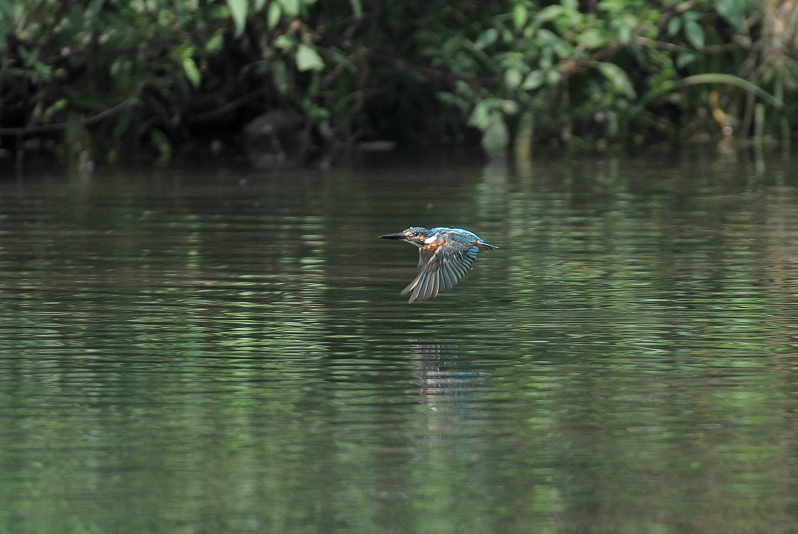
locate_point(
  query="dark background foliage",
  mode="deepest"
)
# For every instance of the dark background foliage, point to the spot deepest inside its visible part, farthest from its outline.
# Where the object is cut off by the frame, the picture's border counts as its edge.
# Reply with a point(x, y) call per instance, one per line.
point(113, 80)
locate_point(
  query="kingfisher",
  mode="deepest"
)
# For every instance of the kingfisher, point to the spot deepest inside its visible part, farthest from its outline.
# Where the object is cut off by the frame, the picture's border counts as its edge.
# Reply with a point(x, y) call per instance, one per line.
point(445, 255)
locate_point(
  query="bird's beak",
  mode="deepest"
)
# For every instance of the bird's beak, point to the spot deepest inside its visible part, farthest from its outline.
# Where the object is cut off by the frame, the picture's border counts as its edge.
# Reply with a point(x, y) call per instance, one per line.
point(397, 235)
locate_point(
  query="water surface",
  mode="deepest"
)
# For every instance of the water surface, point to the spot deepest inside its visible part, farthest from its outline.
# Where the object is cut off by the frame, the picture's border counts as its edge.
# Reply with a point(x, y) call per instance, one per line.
point(228, 351)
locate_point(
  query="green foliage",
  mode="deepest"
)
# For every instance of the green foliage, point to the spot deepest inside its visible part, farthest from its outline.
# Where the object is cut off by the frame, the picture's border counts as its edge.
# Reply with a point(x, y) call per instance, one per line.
point(607, 74)
point(155, 77)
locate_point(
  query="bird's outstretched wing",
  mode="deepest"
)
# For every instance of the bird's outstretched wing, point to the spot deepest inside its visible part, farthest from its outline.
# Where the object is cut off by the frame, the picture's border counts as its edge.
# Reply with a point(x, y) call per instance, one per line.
point(440, 270)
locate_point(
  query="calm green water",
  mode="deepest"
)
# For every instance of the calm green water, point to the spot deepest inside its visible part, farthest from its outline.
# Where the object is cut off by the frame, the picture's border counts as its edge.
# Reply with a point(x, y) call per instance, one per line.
point(229, 352)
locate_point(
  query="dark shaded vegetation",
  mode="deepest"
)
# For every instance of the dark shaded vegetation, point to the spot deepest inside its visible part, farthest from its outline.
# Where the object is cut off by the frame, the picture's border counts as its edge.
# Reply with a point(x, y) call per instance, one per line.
point(112, 80)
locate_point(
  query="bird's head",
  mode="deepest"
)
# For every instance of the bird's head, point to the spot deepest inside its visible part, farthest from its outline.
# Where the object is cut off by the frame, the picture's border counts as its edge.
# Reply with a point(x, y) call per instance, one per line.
point(415, 235)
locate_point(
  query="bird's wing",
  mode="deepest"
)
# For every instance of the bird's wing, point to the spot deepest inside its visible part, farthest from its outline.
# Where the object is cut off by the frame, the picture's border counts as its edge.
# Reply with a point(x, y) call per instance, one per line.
point(424, 256)
point(440, 270)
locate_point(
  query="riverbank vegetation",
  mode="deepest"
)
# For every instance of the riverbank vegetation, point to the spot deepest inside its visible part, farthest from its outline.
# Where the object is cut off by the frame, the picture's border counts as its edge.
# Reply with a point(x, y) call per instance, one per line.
point(298, 80)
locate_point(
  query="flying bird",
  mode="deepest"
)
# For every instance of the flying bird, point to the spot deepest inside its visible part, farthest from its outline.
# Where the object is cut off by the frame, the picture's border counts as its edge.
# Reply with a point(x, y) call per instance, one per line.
point(445, 255)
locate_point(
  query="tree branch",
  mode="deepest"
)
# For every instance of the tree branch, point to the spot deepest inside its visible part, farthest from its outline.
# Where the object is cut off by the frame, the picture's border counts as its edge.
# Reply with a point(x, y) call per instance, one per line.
point(58, 126)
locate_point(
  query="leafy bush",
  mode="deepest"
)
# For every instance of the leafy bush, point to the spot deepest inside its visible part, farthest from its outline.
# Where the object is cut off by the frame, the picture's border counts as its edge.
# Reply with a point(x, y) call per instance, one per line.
point(109, 79)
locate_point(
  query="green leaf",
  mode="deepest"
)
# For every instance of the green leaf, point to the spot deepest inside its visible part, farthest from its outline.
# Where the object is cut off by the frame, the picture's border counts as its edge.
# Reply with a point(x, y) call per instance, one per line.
point(481, 117)
point(617, 77)
point(238, 10)
point(184, 54)
point(694, 33)
point(273, 14)
point(214, 44)
point(57, 106)
point(318, 113)
point(674, 25)
point(547, 38)
point(357, 9)
point(520, 16)
point(570, 5)
point(279, 74)
point(534, 80)
point(685, 58)
point(191, 70)
point(512, 78)
point(291, 7)
point(625, 35)
point(592, 39)
point(486, 38)
point(734, 13)
point(548, 14)
point(509, 107)
point(308, 59)
point(283, 42)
